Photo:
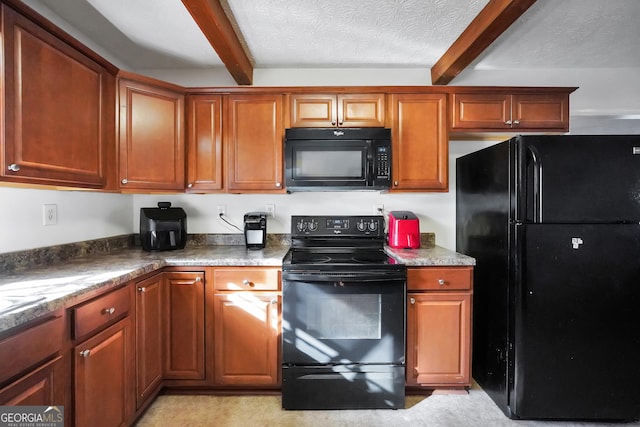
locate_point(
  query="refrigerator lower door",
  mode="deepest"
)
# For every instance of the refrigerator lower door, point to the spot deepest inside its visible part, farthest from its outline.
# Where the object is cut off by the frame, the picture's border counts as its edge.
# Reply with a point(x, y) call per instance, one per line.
point(576, 337)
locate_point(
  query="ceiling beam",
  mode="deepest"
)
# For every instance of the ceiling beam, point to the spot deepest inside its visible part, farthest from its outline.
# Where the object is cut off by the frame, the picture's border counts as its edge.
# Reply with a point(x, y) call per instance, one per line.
point(492, 21)
point(210, 17)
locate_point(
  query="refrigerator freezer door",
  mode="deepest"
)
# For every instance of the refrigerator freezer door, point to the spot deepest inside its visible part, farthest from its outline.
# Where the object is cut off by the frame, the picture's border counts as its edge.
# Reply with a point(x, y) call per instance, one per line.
point(577, 341)
point(583, 179)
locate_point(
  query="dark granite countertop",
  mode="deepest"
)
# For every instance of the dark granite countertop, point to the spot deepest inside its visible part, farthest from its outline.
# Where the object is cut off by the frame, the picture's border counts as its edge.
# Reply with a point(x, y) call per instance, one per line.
point(48, 288)
point(57, 285)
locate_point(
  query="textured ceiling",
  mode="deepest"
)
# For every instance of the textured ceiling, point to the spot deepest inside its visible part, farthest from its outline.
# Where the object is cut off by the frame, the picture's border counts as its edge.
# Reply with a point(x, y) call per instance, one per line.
point(371, 33)
point(570, 34)
point(360, 33)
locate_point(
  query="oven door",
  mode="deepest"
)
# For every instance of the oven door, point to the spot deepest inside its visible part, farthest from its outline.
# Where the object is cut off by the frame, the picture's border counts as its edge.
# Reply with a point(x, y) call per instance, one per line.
point(343, 320)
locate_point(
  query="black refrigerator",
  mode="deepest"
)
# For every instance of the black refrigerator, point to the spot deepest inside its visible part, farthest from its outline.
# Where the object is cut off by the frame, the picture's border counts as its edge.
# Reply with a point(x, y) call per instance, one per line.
point(553, 223)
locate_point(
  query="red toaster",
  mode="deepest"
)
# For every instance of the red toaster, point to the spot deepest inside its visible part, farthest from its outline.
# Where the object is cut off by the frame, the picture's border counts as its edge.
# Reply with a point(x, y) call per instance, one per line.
point(404, 230)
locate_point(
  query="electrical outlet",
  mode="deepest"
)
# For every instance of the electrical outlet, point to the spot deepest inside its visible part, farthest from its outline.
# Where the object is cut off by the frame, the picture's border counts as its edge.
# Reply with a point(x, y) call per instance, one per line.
point(270, 209)
point(378, 209)
point(222, 210)
point(49, 214)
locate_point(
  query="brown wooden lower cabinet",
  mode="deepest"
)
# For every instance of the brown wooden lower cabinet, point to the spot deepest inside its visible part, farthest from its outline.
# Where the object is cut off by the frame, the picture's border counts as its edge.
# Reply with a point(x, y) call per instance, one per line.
point(439, 327)
point(103, 378)
point(246, 339)
point(39, 387)
point(149, 333)
point(184, 357)
point(245, 329)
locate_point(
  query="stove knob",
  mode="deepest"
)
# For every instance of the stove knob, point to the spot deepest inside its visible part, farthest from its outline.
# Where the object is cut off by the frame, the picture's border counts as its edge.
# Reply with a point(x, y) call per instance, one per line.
point(373, 225)
point(361, 225)
point(313, 226)
point(301, 225)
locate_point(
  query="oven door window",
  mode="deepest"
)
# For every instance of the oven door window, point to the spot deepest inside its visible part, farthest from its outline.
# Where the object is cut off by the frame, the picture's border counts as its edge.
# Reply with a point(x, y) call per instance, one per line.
point(343, 322)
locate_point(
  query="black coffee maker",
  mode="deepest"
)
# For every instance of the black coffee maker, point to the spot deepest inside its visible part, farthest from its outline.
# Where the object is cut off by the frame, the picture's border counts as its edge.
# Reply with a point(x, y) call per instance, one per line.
point(255, 230)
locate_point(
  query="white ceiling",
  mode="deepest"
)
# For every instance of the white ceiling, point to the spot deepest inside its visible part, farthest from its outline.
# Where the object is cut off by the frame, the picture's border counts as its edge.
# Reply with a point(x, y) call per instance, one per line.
point(552, 34)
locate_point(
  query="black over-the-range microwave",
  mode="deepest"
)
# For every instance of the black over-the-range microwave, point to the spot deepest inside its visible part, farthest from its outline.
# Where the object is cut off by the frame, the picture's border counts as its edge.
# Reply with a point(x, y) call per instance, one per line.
point(335, 159)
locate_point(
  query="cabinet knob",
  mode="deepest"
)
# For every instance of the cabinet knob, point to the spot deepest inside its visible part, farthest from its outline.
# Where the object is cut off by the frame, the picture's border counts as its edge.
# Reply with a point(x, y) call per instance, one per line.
point(142, 289)
point(190, 185)
point(278, 184)
point(412, 300)
point(395, 183)
point(441, 282)
point(341, 122)
point(13, 167)
point(109, 311)
point(198, 279)
point(124, 181)
point(516, 122)
point(508, 123)
point(85, 353)
point(274, 301)
point(333, 123)
point(248, 282)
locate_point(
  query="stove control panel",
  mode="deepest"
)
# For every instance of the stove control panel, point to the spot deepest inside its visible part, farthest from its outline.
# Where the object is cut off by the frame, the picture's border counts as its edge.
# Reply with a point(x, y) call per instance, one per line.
point(338, 226)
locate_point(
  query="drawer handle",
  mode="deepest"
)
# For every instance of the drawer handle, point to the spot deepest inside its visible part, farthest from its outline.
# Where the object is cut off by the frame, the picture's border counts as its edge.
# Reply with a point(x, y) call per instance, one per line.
point(412, 300)
point(109, 311)
point(441, 282)
point(198, 279)
point(85, 353)
point(248, 282)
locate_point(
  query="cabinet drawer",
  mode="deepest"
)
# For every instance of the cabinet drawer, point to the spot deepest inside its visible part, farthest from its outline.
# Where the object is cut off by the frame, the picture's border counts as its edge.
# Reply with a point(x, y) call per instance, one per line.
point(246, 279)
point(439, 278)
point(97, 313)
point(31, 347)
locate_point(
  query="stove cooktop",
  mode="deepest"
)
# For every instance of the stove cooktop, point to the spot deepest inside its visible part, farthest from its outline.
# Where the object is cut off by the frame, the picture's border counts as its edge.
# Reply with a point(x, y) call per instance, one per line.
point(345, 257)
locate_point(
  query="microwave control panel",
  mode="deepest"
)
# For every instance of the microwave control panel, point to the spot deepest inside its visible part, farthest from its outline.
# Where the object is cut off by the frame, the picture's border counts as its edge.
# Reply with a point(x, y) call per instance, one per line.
point(383, 166)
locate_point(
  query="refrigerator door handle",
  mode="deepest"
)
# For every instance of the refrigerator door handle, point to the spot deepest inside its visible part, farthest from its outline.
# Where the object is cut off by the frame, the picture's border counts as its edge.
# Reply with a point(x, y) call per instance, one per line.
point(537, 183)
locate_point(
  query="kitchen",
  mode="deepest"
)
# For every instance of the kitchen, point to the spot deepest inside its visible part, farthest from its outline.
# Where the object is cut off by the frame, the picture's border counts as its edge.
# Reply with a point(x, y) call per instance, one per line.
point(87, 215)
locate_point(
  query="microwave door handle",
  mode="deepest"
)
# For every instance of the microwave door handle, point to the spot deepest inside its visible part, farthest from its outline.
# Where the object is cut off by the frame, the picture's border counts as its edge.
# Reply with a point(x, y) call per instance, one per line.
point(369, 172)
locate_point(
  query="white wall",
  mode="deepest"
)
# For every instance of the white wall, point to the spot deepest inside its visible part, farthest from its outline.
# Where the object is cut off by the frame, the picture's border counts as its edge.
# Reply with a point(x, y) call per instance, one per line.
point(436, 211)
point(82, 215)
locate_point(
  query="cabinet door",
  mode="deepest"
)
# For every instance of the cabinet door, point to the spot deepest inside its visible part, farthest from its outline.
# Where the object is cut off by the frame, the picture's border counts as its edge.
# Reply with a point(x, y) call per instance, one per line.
point(184, 326)
point(59, 116)
point(204, 143)
point(151, 137)
point(246, 338)
point(438, 339)
point(541, 112)
point(361, 110)
point(253, 137)
point(329, 110)
point(102, 374)
point(312, 110)
point(481, 111)
point(420, 148)
point(148, 337)
point(41, 387)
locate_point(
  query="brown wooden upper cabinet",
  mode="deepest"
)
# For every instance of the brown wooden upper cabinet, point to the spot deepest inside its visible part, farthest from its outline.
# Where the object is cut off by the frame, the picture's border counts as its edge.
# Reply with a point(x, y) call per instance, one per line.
point(151, 145)
point(204, 143)
point(58, 109)
point(508, 112)
point(330, 110)
point(420, 151)
point(253, 136)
